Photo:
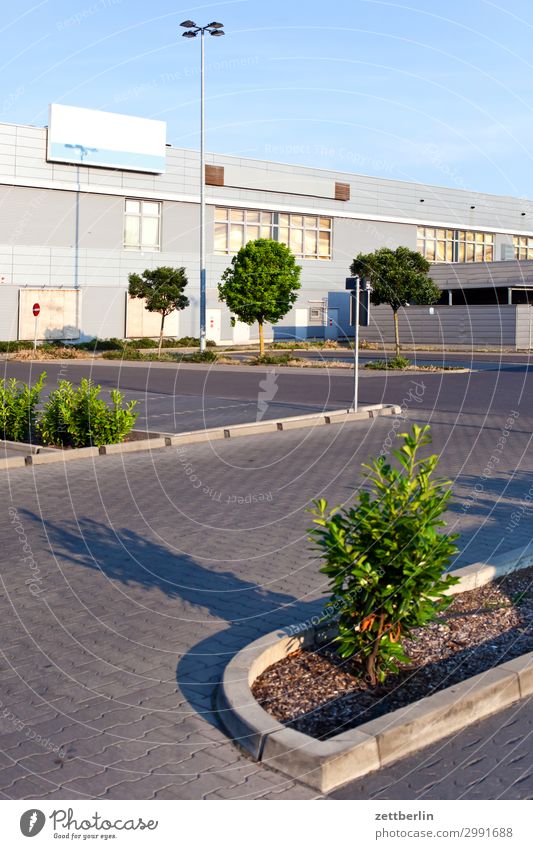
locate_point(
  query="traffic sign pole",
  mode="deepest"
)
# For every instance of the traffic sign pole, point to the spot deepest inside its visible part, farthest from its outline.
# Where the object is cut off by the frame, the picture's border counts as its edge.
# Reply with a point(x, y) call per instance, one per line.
point(36, 309)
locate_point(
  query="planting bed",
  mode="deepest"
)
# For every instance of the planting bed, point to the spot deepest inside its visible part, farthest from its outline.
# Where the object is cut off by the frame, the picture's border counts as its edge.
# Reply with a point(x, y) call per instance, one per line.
point(321, 695)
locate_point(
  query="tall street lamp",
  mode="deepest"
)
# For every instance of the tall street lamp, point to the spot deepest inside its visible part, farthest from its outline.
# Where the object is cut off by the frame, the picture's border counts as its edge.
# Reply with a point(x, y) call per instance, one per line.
point(192, 30)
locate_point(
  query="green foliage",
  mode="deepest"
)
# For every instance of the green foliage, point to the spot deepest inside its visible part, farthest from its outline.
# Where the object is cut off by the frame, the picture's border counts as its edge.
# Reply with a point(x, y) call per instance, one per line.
point(305, 345)
point(169, 342)
point(385, 558)
point(12, 347)
point(18, 403)
point(261, 283)
point(123, 354)
point(162, 290)
point(77, 416)
point(191, 342)
point(199, 357)
point(272, 360)
point(398, 277)
point(101, 345)
point(393, 363)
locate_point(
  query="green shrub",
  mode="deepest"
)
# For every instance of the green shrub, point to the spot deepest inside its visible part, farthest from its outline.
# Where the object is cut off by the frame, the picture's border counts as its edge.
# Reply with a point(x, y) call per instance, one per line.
point(12, 347)
point(190, 342)
point(384, 557)
point(393, 363)
point(272, 360)
point(77, 416)
point(123, 354)
point(18, 402)
point(101, 345)
point(199, 357)
point(144, 342)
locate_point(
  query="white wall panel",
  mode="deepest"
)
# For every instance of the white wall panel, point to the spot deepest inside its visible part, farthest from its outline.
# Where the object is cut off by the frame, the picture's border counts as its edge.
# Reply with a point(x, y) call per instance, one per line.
point(140, 322)
point(58, 316)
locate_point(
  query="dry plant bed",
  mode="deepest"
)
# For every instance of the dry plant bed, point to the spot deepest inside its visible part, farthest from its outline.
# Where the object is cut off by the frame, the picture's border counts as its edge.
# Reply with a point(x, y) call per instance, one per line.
point(320, 694)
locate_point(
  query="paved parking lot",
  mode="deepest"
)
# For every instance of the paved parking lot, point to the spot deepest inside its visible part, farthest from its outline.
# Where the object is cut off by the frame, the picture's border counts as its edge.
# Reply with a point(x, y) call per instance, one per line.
point(129, 581)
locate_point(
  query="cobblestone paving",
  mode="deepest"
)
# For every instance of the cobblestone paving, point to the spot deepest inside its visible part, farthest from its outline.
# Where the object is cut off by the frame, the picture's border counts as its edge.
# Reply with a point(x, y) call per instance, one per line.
point(128, 582)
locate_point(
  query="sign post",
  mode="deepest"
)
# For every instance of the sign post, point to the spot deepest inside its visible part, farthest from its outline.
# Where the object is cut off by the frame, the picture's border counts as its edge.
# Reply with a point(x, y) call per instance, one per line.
point(36, 309)
point(360, 293)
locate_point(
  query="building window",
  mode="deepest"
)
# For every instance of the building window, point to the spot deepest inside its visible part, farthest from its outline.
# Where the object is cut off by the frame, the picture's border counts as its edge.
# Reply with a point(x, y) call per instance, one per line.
point(142, 225)
point(523, 247)
point(308, 236)
point(440, 245)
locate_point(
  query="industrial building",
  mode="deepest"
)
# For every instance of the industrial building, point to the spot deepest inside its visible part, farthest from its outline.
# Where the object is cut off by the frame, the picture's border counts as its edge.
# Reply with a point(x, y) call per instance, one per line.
point(95, 196)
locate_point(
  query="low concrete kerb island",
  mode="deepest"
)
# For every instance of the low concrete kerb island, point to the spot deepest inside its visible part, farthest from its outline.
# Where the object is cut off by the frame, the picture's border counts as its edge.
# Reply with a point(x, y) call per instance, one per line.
point(327, 764)
point(35, 456)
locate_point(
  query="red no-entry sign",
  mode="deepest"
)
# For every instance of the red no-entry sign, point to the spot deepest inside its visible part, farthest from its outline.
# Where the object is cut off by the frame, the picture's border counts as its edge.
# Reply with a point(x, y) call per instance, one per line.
point(36, 309)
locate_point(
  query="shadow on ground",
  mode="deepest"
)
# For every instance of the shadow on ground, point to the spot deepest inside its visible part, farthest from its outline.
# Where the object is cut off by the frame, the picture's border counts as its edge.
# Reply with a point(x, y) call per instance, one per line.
point(240, 610)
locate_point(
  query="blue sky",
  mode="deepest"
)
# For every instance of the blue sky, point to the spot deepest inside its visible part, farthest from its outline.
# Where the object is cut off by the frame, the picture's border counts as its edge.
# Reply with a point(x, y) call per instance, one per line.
point(411, 91)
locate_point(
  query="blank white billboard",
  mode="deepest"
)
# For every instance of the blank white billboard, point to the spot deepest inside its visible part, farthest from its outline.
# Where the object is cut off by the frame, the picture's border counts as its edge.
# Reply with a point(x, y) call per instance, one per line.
point(57, 316)
point(106, 139)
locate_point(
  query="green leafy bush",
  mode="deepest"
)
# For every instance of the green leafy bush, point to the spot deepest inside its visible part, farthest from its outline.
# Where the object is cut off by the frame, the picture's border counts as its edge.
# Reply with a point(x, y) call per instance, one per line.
point(12, 347)
point(143, 342)
point(77, 416)
point(199, 357)
point(101, 345)
point(385, 558)
point(18, 403)
point(272, 360)
point(123, 354)
point(393, 363)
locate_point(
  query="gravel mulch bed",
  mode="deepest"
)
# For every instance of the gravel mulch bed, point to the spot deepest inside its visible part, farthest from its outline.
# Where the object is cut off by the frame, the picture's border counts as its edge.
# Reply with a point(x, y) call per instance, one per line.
point(320, 694)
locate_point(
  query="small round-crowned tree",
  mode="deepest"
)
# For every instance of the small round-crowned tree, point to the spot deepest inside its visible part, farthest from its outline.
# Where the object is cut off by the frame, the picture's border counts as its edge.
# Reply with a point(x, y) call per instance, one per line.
point(261, 284)
point(398, 278)
point(162, 289)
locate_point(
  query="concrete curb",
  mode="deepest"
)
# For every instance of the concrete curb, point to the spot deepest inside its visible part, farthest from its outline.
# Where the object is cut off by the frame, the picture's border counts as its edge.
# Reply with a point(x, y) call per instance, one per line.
point(326, 764)
point(56, 455)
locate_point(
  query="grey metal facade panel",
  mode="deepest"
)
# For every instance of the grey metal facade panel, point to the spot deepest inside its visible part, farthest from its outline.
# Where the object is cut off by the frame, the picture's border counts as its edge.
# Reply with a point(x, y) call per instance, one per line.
point(351, 237)
point(103, 312)
point(180, 227)
point(36, 216)
point(473, 325)
point(479, 274)
point(524, 326)
point(369, 195)
point(9, 312)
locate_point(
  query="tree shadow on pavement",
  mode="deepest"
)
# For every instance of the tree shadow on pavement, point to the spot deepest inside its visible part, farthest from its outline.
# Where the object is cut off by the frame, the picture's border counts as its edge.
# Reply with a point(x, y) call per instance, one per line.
point(167, 585)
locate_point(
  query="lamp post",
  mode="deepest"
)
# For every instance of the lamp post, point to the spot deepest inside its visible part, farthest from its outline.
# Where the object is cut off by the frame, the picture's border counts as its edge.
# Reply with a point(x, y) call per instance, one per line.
point(84, 151)
point(360, 293)
point(192, 30)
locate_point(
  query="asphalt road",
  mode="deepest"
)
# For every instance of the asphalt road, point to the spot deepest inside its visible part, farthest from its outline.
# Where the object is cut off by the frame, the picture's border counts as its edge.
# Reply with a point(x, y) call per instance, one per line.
point(172, 399)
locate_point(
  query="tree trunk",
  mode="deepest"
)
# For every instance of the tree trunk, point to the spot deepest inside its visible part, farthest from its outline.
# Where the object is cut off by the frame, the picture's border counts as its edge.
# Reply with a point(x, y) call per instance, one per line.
point(396, 333)
point(261, 340)
point(371, 659)
point(161, 335)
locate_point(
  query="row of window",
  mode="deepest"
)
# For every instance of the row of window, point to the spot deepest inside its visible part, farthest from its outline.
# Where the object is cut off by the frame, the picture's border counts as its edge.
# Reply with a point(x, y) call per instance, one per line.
point(308, 236)
point(439, 245)
point(523, 247)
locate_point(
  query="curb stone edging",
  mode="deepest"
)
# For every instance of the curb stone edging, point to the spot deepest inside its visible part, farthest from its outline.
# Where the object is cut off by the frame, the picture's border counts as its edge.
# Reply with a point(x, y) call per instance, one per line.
point(56, 455)
point(327, 764)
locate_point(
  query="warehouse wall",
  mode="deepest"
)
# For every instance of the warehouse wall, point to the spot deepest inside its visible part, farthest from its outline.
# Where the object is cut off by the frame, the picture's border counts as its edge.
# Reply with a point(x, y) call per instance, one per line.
point(464, 326)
